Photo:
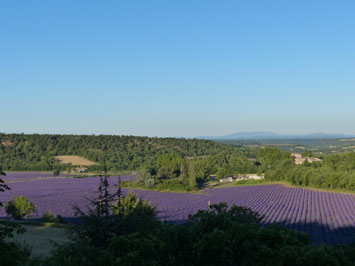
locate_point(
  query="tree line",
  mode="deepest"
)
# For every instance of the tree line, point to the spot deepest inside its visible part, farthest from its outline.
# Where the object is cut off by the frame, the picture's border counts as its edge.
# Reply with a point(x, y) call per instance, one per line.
point(34, 152)
point(336, 171)
point(174, 172)
point(174, 163)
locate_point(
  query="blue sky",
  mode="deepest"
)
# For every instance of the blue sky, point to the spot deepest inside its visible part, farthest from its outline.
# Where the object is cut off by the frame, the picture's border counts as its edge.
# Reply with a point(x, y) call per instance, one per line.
point(177, 68)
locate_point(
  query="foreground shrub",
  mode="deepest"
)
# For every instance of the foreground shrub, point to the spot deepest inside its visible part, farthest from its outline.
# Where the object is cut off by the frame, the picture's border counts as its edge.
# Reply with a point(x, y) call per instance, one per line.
point(56, 172)
point(50, 218)
point(123, 230)
point(219, 236)
point(12, 253)
point(172, 185)
point(113, 214)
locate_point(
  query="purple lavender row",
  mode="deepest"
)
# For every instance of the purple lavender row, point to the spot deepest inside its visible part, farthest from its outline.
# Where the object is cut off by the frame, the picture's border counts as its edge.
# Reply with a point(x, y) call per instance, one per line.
point(25, 176)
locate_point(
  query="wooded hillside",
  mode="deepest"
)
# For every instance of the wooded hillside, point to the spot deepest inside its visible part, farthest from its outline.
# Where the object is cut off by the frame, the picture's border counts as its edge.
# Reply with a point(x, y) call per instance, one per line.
point(36, 152)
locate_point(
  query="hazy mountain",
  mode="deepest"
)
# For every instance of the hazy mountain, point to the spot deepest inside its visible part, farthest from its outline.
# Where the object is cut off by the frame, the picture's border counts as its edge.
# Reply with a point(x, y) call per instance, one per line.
point(273, 135)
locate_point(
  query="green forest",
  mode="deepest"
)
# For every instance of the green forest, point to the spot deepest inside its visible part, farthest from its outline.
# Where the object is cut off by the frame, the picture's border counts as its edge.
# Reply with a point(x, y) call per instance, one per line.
point(173, 172)
point(336, 171)
point(36, 152)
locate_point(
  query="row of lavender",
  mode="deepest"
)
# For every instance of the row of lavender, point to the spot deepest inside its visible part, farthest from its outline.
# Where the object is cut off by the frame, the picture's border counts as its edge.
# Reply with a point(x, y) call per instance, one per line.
point(12, 177)
point(328, 217)
point(21, 176)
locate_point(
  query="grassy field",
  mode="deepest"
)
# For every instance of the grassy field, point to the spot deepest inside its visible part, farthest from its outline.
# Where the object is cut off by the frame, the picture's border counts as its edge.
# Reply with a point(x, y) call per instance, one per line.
point(242, 183)
point(266, 182)
point(74, 160)
point(42, 238)
point(332, 190)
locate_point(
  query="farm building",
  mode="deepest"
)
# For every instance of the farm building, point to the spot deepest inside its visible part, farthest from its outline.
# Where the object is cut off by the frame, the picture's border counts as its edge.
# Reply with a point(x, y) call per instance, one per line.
point(299, 159)
point(227, 179)
point(254, 176)
point(82, 169)
point(250, 176)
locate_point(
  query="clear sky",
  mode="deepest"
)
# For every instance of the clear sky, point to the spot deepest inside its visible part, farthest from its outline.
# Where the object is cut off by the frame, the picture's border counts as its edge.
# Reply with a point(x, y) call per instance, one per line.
point(177, 68)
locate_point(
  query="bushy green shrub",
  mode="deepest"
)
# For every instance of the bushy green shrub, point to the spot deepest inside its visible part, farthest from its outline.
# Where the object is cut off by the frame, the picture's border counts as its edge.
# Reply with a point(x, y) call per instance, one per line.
point(50, 218)
point(20, 207)
point(14, 254)
point(172, 185)
point(249, 182)
point(56, 172)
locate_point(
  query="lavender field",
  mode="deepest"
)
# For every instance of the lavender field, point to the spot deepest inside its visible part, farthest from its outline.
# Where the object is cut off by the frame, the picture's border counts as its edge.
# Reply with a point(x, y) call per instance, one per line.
point(21, 176)
point(327, 217)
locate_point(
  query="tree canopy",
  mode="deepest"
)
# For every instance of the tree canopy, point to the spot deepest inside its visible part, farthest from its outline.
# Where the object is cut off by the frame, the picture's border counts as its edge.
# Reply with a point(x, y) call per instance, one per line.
point(36, 152)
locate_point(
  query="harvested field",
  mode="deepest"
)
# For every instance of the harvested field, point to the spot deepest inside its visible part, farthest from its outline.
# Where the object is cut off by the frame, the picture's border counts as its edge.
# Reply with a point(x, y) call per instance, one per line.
point(74, 160)
point(6, 143)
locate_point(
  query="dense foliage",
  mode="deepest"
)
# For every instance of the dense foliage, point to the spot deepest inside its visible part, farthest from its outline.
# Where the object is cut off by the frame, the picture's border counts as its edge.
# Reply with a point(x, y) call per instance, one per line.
point(173, 172)
point(171, 163)
point(36, 152)
point(20, 207)
point(113, 214)
point(334, 172)
point(51, 218)
point(12, 253)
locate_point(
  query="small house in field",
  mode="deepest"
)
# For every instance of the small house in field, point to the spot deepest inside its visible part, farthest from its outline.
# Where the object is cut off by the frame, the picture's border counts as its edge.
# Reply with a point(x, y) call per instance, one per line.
point(227, 179)
point(251, 176)
point(299, 159)
point(82, 169)
point(254, 176)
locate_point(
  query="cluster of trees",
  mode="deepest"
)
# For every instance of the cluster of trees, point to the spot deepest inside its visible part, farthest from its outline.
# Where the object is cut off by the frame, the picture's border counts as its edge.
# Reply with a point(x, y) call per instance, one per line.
point(36, 152)
point(336, 171)
point(174, 172)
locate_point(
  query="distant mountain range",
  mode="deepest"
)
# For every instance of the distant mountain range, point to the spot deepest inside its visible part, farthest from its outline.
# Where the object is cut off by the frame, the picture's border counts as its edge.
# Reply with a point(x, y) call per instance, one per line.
point(273, 135)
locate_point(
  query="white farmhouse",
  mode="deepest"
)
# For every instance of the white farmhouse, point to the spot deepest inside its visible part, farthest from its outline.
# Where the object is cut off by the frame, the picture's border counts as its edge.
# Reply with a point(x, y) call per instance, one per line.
point(227, 179)
point(254, 176)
